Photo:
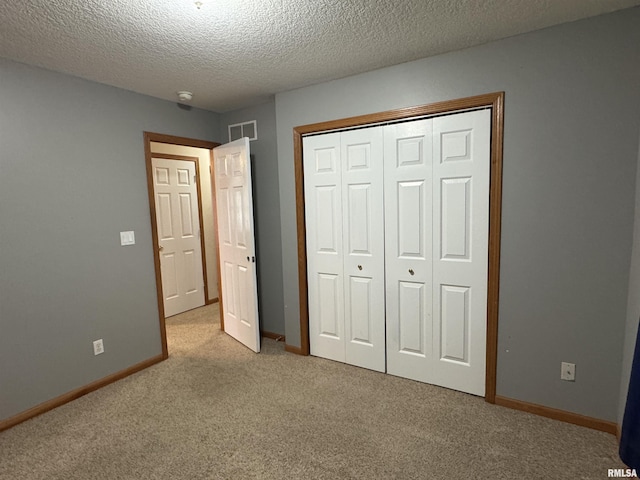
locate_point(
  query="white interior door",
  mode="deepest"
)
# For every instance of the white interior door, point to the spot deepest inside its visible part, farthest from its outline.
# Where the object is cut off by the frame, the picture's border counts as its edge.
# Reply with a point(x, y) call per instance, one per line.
point(236, 242)
point(397, 237)
point(323, 212)
point(408, 248)
point(437, 188)
point(345, 246)
point(178, 224)
point(461, 171)
point(363, 240)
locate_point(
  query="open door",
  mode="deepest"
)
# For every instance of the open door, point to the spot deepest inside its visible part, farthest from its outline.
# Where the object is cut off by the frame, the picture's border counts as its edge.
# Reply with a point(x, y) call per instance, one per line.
point(236, 243)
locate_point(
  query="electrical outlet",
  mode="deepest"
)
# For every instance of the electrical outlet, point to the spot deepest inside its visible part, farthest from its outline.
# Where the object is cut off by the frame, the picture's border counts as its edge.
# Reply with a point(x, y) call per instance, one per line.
point(98, 347)
point(568, 372)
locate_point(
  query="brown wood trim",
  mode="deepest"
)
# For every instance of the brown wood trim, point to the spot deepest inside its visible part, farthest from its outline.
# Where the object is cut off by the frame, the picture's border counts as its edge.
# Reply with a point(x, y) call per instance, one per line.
point(77, 393)
point(171, 156)
point(477, 101)
point(493, 100)
point(555, 414)
point(293, 349)
point(156, 246)
point(215, 222)
point(274, 336)
point(203, 247)
point(495, 223)
point(212, 301)
point(302, 244)
point(186, 142)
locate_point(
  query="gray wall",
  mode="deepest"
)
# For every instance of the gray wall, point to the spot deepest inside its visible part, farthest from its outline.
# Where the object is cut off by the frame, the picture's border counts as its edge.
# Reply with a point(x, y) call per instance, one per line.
point(72, 176)
point(572, 118)
point(633, 305)
point(266, 199)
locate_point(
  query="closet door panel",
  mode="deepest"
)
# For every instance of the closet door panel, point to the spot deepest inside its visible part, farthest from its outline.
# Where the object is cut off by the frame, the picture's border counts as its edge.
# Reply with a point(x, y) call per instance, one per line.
point(408, 248)
point(461, 209)
point(323, 214)
point(363, 228)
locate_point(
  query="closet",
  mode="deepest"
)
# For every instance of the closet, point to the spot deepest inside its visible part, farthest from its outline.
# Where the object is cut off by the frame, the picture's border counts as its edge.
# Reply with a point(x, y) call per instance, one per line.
point(397, 221)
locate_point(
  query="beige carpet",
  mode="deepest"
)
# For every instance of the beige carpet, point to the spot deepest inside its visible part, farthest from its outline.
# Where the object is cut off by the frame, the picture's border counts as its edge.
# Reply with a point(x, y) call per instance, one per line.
point(216, 410)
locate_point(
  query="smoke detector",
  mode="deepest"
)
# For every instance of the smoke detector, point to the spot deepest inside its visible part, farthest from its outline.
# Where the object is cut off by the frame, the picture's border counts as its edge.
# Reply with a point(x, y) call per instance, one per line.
point(185, 96)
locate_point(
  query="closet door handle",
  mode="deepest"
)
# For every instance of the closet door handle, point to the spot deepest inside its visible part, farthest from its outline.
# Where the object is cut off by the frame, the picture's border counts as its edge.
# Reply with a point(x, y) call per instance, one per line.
point(411, 271)
point(359, 267)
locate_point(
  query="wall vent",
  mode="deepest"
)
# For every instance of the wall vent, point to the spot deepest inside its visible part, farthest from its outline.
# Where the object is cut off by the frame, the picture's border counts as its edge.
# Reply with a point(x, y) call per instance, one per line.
point(244, 129)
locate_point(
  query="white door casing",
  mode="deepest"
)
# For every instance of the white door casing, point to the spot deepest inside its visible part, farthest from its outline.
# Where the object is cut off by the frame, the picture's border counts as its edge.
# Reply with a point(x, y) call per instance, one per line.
point(236, 242)
point(178, 231)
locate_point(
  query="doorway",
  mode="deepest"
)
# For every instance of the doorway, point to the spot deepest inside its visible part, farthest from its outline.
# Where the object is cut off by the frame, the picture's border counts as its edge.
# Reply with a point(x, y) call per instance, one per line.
point(494, 101)
point(199, 152)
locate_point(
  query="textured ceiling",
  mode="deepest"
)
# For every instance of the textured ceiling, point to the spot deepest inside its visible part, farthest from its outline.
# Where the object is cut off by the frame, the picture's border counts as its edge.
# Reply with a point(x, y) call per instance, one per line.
point(235, 53)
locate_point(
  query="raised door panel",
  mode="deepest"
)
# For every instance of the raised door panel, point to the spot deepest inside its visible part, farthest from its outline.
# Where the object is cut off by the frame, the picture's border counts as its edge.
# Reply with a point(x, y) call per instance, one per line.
point(323, 217)
point(461, 210)
point(363, 241)
point(329, 306)
point(191, 277)
point(408, 248)
point(169, 275)
point(454, 324)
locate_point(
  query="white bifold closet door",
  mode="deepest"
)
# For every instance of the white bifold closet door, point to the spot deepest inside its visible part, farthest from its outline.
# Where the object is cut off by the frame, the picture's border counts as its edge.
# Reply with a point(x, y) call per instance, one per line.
point(437, 225)
point(345, 246)
point(397, 245)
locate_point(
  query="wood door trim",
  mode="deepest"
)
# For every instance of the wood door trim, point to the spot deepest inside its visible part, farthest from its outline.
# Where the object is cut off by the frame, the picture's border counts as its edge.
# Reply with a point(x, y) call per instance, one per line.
point(274, 336)
point(186, 142)
point(493, 100)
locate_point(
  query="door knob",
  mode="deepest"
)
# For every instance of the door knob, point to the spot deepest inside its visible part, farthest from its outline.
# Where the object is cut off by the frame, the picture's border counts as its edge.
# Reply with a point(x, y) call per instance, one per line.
point(359, 267)
point(160, 248)
point(411, 271)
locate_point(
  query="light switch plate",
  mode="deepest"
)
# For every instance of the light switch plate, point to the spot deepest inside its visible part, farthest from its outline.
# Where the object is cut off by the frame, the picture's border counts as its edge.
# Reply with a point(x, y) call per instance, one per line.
point(568, 371)
point(127, 238)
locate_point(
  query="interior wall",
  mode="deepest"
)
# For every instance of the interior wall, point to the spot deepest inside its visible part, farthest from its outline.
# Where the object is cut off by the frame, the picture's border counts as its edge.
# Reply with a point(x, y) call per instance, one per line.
point(572, 114)
point(72, 176)
point(633, 305)
point(266, 199)
point(206, 195)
